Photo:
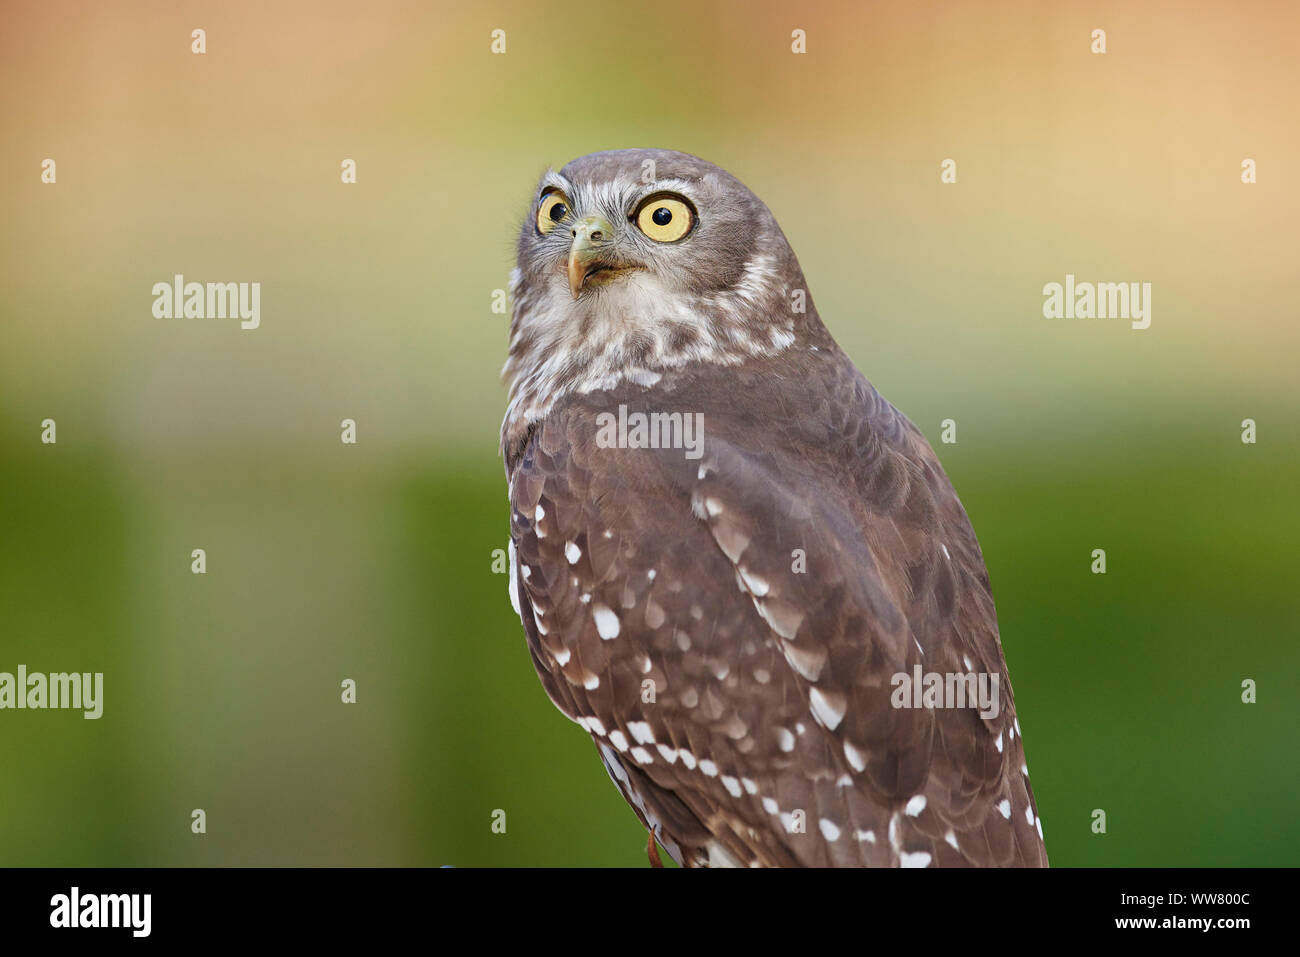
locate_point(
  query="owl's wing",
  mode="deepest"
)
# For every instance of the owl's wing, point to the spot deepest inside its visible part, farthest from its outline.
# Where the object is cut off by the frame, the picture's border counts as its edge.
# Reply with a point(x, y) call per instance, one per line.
point(729, 628)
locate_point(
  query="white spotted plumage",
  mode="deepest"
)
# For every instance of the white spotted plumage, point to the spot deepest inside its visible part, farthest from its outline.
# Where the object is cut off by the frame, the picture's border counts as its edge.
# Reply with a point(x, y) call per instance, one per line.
point(725, 621)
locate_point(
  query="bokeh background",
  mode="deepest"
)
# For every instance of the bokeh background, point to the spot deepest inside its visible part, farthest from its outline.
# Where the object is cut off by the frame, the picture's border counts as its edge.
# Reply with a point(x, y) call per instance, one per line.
point(374, 561)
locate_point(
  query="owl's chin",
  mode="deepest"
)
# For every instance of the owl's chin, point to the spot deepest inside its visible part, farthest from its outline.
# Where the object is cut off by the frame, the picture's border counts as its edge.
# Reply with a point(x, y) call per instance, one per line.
point(603, 275)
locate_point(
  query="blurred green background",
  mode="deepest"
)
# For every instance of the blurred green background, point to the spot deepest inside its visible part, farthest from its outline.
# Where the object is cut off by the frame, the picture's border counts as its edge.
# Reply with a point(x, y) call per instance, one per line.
point(374, 561)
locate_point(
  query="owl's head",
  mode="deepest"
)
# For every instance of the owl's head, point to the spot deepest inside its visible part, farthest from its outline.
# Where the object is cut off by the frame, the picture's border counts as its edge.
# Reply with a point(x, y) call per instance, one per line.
point(633, 262)
point(637, 215)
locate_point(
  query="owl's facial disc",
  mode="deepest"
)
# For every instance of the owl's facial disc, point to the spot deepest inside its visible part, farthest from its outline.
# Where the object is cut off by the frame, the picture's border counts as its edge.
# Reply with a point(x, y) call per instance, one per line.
point(632, 263)
point(589, 260)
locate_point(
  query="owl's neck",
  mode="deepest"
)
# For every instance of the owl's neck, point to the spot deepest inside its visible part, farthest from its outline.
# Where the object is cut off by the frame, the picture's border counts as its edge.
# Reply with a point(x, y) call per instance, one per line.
point(636, 330)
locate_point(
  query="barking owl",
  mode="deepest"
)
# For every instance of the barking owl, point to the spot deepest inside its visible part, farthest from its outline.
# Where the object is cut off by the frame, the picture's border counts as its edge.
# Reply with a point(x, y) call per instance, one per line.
point(739, 569)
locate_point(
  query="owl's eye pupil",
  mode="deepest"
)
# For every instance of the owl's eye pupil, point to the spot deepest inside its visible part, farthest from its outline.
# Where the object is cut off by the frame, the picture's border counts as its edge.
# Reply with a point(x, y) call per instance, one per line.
point(662, 216)
point(558, 212)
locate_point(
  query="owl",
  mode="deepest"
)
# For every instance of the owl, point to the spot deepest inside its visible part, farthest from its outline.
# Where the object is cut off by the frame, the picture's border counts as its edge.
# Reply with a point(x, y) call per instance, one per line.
point(739, 569)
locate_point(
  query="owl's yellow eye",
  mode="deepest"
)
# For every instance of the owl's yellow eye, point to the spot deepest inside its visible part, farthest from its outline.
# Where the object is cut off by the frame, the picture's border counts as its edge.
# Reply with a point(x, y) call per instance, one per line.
point(665, 219)
point(553, 209)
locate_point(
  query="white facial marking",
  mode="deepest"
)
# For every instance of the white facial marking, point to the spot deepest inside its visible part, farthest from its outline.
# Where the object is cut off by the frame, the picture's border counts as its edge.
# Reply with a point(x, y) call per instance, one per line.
point(561, 344)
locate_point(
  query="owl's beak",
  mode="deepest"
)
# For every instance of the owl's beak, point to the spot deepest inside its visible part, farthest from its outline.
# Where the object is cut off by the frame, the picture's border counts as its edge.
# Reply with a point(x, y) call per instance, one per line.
point(592, 237)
